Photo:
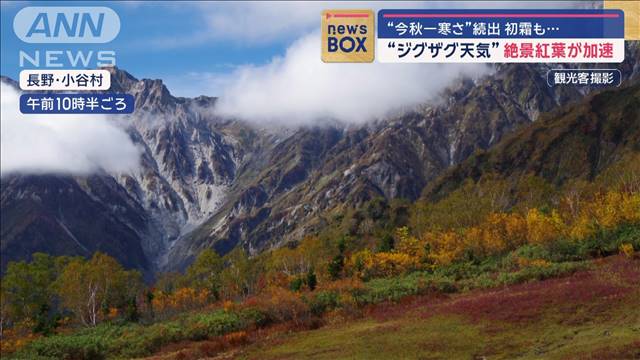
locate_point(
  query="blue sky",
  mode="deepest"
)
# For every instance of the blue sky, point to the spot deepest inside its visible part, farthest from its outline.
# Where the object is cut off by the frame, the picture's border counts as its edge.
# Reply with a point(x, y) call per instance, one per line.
point(202, 47)
point(157, 40)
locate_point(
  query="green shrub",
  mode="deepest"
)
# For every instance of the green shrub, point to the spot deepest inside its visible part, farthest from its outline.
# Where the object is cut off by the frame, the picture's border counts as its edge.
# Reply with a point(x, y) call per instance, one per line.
point(603, 243)
point(607, 242)
point(469, 269)
point(253, 317)
point(311, 279)
point(335, 267)
point(85, 344)
point(109, 341)
point(532, 252)
point(202, 326)
point(565, 250)
point(322, 302)
point(296, 284)
point(538, 272)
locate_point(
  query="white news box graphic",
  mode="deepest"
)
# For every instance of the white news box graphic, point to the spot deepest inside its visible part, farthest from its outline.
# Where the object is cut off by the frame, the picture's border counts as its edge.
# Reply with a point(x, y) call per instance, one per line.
point(500, 36)
point(71, 80)
point(500, 51)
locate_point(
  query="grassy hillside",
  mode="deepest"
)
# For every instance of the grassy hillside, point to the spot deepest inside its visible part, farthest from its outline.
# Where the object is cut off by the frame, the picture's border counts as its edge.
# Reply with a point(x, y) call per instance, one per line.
point(528, 302)
point(588, 314)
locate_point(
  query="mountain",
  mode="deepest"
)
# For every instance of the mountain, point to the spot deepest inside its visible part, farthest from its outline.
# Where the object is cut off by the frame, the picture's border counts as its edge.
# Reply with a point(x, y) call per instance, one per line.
point(206, 181)
point(580, 141)
point(315, 171)
point(186, 165)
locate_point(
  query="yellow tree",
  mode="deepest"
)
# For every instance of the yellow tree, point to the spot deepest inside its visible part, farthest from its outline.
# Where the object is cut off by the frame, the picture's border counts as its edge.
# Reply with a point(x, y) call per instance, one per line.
point(90, 288)
point(241, 276)
point(204, 273)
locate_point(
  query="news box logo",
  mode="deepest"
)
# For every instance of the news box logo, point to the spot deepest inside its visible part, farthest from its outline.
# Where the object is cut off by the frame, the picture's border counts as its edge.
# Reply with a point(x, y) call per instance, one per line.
point(348, 36)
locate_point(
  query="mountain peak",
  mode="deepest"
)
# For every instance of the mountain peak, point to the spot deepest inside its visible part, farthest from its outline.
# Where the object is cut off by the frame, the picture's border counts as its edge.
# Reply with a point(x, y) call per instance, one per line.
point(150, 94)
point(121, 80)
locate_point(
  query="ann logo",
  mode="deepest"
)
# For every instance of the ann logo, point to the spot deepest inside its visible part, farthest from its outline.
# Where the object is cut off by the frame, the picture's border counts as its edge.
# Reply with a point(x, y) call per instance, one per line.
point(66, 24)
point(76, 26)
point(347, 36)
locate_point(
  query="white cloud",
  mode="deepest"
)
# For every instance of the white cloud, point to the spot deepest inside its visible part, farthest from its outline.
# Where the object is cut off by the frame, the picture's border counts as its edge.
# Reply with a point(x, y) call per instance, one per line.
point(300, 89)
point(263, 22)
point(65, 144)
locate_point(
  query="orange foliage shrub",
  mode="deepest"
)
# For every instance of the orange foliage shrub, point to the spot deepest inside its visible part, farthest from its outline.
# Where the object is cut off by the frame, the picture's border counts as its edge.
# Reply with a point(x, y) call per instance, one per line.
point(236, 338)
point(113, 313)
point(409, 245)
point(345, 285)
point(392, 263)
point(184, 298)
point(524, 263)
point(280, 305)
point(606, 210)
point(501, 232)
point(14, 339)
point(627, 249)
point(228, 305)
point(365, 264)
point(505, 231)
point(446, 247)
point(541, 228)
point(358, 263)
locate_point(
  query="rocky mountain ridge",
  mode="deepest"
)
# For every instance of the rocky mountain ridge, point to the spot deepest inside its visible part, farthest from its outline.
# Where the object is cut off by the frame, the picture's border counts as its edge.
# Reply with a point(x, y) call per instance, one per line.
point(205, 181)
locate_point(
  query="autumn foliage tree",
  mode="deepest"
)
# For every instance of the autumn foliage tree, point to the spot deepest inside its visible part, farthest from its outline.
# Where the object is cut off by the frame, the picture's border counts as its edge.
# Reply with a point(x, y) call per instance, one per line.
point(89, 288)
point(27, 293)
point(242, 276)
point(205, 273)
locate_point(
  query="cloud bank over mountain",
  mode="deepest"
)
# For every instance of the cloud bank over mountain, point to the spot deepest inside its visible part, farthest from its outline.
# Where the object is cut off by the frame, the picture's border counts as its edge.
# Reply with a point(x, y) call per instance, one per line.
point(63, 144)
point(299, 89)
